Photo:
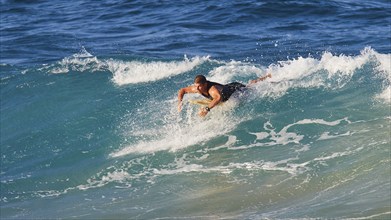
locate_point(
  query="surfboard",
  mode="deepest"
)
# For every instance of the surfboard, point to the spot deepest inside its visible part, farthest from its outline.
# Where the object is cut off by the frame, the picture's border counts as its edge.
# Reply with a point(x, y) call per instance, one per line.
point(203, 102)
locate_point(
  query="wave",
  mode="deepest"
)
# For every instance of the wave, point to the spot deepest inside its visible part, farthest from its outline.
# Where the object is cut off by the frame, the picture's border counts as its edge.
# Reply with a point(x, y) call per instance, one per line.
point(329, 71)
point(171, 133)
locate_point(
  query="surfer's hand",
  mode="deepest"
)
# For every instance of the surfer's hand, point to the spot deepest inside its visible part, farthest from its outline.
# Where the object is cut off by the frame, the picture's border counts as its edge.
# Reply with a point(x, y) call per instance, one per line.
point(203, 112)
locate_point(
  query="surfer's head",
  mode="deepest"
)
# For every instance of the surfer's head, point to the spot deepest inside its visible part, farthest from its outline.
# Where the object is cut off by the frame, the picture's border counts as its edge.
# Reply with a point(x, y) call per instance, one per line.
point(199, 79)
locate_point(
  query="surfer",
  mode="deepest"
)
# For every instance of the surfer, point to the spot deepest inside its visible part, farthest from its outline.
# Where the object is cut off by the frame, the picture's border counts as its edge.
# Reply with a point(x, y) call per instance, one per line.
point(216, 92)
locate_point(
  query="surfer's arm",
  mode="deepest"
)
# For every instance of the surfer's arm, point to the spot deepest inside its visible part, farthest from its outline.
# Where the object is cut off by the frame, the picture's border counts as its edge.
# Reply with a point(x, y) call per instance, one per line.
point(216, 99)
point(182, 92)
point(260, 79)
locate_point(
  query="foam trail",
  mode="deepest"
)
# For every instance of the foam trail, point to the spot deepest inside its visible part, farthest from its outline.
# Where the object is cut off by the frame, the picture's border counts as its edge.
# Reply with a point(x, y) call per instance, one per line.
point(176, 139)
point(284, 137)
point(288, 165)
point(176, 135)
point(327, 136)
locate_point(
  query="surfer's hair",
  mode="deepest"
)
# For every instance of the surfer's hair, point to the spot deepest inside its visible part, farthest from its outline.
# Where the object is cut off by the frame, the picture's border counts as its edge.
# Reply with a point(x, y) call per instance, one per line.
point(200, 79)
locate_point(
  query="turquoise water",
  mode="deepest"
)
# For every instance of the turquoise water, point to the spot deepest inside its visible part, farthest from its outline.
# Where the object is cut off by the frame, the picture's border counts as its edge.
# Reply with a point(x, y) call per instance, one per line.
point(90, 127)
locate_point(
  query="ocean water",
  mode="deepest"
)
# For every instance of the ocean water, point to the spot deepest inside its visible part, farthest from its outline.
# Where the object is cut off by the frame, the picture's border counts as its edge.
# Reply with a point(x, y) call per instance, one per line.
point(90, 127)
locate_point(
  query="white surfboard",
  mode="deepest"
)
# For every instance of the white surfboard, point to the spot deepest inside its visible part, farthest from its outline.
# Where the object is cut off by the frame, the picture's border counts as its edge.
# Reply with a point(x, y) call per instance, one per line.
point(202, 102)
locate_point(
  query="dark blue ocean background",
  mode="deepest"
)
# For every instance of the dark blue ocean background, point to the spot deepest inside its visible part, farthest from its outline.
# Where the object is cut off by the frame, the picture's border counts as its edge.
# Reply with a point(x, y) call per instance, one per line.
point(90, 127)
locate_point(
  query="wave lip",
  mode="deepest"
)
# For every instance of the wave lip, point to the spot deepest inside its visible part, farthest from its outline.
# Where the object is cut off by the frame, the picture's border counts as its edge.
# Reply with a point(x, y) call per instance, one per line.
point(134, 72)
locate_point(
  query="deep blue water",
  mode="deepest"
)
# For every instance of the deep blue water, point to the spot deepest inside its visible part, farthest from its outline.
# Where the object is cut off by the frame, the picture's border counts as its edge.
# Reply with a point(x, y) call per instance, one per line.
point(90, 127)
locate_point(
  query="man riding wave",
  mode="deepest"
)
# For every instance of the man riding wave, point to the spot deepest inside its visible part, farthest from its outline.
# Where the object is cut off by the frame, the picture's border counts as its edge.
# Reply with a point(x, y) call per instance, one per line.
point(216, 92)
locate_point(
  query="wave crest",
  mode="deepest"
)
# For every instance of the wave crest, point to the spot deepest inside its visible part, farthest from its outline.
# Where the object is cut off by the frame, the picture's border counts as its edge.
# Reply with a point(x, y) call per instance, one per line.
point(134, 72)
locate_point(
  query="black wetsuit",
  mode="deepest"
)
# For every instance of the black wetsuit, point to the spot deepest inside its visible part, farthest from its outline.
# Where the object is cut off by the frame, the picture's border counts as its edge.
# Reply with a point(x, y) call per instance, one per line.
point(227, 91)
